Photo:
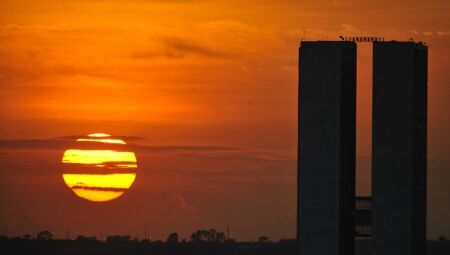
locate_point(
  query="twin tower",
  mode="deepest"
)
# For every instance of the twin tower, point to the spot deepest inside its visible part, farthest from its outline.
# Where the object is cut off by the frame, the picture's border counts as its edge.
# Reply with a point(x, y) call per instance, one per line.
point(326, 168)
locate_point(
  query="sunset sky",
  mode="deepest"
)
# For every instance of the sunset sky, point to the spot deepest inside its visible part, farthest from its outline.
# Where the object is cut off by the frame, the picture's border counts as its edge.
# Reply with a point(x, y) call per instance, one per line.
point(205, 92)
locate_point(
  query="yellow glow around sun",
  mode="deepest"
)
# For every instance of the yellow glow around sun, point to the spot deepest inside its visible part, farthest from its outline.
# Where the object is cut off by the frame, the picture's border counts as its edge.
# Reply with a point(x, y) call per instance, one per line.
point(114, 169)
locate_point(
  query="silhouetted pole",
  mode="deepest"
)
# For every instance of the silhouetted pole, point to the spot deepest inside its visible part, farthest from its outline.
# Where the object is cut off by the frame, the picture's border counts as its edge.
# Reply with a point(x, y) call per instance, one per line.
point(145, 232)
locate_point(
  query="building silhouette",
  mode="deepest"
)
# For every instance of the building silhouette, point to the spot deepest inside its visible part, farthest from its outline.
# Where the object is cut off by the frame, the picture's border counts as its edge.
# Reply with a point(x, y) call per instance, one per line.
point(396, 219)
point(399, 148)
point(363, 219)
point(327, 120)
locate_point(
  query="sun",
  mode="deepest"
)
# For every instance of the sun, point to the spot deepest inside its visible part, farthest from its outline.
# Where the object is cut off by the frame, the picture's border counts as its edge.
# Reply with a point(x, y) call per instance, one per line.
point(98, 167)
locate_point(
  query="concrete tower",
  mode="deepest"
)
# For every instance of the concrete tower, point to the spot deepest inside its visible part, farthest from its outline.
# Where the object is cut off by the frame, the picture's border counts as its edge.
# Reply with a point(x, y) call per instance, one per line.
point(326, 164)
point(399, 148)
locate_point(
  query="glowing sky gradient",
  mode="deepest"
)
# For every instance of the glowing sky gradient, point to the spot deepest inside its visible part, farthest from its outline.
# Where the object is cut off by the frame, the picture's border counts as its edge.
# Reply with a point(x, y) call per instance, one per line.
point(205, 92)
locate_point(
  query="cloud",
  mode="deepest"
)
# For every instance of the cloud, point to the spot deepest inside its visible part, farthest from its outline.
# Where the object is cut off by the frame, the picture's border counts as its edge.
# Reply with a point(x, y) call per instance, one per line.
point(99, 188)
point(64, 142)
point(443, 33)
point(177, 47)
point(229, 164)
point(435, 33)
point(182, 45)
point(148, 54)
point(246, 155)
point(123, 137)
point(34, 144)
point(181, 148)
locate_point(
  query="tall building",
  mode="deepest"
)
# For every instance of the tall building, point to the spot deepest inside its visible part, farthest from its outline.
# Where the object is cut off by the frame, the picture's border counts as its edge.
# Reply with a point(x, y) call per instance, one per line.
point(326, 166)
point(399, 146)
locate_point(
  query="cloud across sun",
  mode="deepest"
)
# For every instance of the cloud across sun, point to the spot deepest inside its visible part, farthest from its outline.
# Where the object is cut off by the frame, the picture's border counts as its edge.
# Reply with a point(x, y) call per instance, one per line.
point(99, 175)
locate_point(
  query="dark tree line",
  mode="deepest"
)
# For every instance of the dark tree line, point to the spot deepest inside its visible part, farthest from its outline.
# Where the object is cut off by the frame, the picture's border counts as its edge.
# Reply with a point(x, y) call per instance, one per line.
point(202, 242)
point(211, 235)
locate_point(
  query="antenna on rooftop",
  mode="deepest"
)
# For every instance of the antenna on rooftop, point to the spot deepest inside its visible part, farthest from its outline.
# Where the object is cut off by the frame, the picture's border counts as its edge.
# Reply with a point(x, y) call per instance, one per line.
point(361, 39)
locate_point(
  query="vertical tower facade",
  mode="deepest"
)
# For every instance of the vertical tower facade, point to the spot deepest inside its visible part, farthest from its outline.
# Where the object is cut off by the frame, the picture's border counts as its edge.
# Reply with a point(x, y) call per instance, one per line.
point(326, 153)
point(399, 145)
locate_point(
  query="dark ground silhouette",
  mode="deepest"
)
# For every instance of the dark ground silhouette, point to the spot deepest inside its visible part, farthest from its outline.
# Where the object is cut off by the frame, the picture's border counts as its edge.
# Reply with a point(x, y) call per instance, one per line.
point(202, 242)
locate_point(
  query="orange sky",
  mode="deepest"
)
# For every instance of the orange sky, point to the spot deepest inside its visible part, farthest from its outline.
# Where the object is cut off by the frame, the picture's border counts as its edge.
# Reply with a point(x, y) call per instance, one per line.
point(219, 77)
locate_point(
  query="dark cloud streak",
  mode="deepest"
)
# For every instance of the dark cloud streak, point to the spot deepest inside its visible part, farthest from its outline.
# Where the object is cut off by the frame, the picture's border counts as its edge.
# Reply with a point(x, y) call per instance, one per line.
point(177, 47)
point(61, 144)
point(123, 137)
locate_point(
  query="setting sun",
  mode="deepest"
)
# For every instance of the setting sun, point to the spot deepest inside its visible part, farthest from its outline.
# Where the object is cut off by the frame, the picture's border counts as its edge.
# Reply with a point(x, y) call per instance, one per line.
point(98, 174)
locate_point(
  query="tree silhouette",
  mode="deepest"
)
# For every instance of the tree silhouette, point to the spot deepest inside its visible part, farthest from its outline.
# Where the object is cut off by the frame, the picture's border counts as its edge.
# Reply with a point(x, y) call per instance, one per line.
point(209, 242)
point(117, 239)
point(442, 239)
point(263, 239)
point(26, 237)
point(195, 237)
point(211, 235)
point(172, 238)
point(221, 237)
point(44, 235)
point(81, 238)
